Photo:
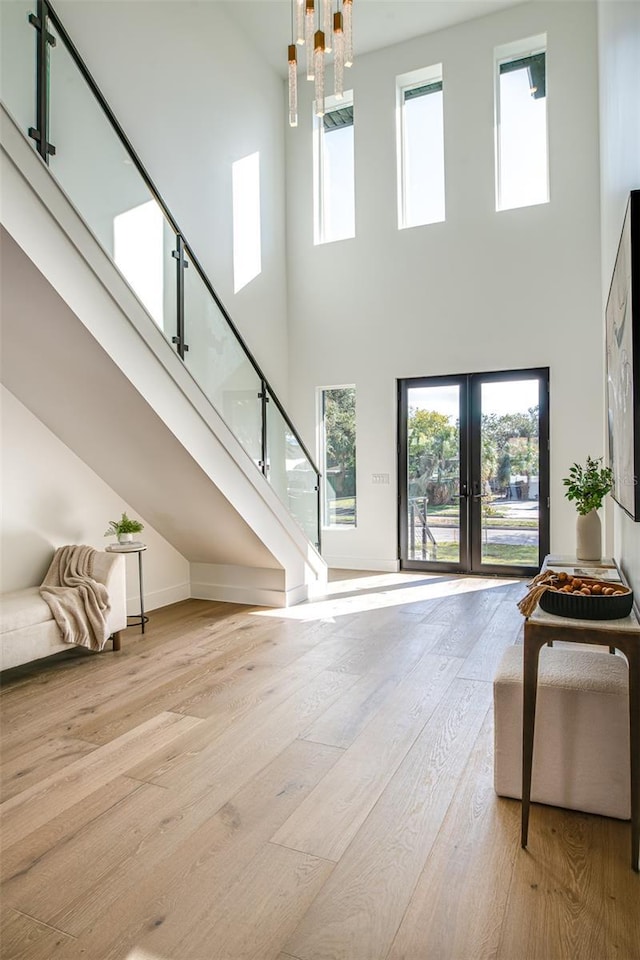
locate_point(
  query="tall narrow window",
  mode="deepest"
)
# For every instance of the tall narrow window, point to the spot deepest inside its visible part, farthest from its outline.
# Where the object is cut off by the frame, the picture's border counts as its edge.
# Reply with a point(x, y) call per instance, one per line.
point(420, 137)
point(338, 456)
point(334, 187)
point(247, 256)
point(522, 167)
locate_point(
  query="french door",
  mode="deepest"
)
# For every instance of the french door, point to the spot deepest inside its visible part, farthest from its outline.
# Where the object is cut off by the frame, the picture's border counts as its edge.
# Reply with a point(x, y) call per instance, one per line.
point(474, 472)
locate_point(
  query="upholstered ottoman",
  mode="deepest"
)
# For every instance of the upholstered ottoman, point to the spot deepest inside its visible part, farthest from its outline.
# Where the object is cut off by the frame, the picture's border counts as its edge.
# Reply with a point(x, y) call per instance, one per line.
point(581, 747)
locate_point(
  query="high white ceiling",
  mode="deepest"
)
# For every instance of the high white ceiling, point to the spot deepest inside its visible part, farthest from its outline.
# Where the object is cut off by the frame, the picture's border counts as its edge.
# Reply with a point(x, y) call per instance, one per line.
point(377, 23)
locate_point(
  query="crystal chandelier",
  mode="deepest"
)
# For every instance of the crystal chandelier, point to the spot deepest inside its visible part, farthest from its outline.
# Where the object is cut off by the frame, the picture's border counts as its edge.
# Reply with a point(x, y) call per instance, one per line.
point(321, 30)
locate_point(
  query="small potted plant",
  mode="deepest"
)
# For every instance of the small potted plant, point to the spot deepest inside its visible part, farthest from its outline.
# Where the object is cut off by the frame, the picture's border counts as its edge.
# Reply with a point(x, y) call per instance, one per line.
point(123, 529)
point(588, 486)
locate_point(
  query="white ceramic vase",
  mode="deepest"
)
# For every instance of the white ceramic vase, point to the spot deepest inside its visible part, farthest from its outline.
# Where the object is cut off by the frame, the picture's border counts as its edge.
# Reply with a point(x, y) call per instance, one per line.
point(588, 536)
point(125, 537)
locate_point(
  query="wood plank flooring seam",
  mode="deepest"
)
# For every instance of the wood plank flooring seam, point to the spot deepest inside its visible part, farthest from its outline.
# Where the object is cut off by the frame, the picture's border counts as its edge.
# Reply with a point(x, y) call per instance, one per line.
point(247, 727)
point(149, 783)
point(461, 676)
point(439, 830)
point(435, 841)
point(468, 764)
point(92, 743)
point(88, 824)
point(111, 676)
point(25, 812)
point(366, 895)
point(44, 923)
point(408, 903)
point(285, 846)
point(302, 826)
point(322, 743)
point(507, 903)
point(462, 916)
point(235, 835)
point(103, 750)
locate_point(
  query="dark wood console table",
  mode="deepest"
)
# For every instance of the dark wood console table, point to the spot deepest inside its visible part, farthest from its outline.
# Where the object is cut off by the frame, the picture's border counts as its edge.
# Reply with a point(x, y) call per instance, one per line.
point(543, 628)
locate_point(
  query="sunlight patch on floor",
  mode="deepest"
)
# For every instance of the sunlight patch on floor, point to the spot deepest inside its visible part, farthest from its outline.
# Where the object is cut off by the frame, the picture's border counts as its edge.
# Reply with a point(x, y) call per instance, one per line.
point(139, 954)
point(344, 581)
point(362, 594)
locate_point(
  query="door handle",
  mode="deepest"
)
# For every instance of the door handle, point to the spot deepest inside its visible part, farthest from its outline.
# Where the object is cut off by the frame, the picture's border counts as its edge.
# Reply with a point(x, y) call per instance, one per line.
point(476, 491)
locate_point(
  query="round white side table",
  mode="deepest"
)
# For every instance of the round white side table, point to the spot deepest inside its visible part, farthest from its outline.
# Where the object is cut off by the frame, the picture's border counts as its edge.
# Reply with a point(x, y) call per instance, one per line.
point(139, 548)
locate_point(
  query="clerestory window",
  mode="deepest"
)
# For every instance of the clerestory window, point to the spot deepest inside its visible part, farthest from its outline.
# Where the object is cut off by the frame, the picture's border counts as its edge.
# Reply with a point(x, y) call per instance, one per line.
point(334, 172)
point(522, 166)
point(420, 147)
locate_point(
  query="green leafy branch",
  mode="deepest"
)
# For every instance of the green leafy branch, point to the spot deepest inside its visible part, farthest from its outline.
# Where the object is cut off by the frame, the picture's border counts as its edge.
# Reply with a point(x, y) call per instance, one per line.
point(588, 485)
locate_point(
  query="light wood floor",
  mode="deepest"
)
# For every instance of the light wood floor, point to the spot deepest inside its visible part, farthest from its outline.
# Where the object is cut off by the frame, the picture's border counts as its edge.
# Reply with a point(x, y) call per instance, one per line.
point(313, 784)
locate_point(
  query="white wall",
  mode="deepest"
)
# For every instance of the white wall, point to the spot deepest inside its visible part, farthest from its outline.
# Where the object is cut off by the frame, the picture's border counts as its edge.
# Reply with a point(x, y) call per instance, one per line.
point(51, 498)
point(483, 291)
point(619, 52)
point(193, 96)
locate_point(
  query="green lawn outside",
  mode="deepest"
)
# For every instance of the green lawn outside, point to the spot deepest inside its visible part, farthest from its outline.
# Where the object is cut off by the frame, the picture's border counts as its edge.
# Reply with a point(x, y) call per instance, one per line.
point(448, 514)
point(507, 553)
point(489, 523)
point(342, 512)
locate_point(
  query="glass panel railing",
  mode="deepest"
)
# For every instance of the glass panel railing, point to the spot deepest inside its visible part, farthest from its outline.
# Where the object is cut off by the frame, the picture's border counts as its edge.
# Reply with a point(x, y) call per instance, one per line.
point(220, 366)
point(18, 61)
point(291, 473)
point(93, 167)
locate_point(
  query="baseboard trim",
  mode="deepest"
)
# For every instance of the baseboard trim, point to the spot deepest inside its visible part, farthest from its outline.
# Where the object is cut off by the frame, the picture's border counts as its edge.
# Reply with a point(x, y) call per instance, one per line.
point(159, 598)
point(226, 593)
point(297, 595)
point(362, 563)
point(253, 596)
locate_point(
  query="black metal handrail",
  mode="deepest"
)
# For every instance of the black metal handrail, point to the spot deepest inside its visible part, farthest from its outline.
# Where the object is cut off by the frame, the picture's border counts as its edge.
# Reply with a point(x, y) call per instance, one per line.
point(84, 70)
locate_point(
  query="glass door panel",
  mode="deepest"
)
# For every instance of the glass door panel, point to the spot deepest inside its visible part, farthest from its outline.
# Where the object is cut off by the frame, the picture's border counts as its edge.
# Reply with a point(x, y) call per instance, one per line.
point(509, 493)
point(434, 523)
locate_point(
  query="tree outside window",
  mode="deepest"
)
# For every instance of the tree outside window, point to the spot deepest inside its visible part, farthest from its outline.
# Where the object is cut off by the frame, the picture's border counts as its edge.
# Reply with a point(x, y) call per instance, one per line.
point(339, 422)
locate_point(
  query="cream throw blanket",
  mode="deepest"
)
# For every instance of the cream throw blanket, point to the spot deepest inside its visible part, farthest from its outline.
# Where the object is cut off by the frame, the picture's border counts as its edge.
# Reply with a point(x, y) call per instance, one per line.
point(79, 603)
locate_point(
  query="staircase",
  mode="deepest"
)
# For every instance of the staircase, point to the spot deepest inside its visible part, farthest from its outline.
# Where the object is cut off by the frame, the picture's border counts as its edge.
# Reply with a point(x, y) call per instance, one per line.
point(114, 337)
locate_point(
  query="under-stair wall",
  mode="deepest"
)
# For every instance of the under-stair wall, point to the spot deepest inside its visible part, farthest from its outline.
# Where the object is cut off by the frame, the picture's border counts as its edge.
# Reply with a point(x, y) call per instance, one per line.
point(49, 496)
